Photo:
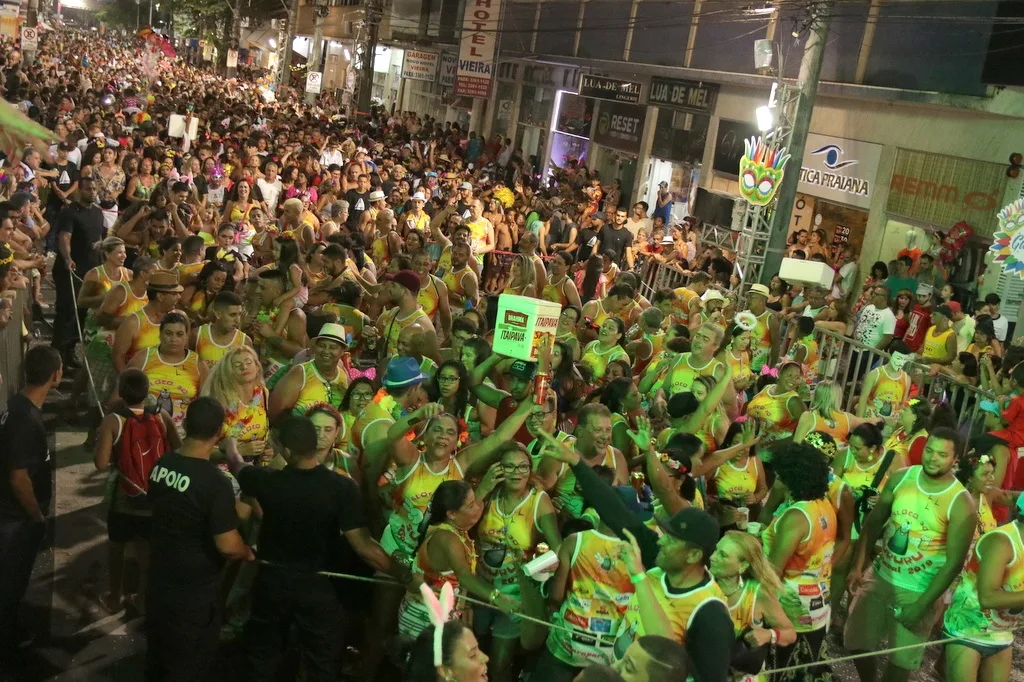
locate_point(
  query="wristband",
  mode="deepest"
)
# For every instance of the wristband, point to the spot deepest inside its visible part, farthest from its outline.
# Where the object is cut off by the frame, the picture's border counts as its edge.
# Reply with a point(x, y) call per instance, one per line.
point(637, 578)
point(775, 636)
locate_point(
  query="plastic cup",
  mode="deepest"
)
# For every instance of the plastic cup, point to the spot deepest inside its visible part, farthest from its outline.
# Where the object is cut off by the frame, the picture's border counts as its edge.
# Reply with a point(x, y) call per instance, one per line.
point(754, 528)
point(743, 518)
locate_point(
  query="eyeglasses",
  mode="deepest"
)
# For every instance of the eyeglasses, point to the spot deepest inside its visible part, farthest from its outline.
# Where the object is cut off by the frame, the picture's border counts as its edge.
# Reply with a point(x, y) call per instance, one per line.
point(516, 468)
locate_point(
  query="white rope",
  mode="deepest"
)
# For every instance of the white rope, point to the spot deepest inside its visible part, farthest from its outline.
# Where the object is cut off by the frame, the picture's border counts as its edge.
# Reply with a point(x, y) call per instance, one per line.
point(85, 351)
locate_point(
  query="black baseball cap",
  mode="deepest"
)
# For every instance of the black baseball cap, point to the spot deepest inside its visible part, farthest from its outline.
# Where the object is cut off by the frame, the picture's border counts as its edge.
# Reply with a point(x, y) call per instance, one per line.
point(694, 526)
point(522, 369)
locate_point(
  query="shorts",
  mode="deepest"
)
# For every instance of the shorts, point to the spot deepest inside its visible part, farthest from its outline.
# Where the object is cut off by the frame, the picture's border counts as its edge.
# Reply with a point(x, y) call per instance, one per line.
point(128, 527)
point(872, 619)
point(498, 624)
point(986, 650)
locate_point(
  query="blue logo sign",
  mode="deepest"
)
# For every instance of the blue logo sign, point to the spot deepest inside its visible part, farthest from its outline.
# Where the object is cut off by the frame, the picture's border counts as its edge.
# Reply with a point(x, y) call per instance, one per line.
point(833, 157)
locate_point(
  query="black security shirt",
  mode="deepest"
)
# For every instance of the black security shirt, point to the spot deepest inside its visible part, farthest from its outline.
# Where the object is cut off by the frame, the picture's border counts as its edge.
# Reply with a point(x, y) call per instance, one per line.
point(24, 446)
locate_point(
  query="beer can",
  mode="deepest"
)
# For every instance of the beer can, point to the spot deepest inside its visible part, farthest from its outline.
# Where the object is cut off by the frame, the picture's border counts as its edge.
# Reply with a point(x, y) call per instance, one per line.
point(541, 384)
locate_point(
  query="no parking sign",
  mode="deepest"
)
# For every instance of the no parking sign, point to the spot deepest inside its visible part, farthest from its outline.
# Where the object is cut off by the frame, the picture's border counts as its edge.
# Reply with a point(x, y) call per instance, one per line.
point(29, 38)
point(314, 81)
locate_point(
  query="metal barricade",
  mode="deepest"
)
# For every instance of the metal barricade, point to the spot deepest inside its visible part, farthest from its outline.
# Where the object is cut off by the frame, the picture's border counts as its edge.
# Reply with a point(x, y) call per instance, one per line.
point(847, 362)
point(657, 275)
point(12, 350)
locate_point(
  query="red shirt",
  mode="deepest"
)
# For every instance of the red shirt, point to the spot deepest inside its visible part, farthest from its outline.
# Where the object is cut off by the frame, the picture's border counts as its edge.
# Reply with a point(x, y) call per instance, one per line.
point(920, 319)
point(506, 407)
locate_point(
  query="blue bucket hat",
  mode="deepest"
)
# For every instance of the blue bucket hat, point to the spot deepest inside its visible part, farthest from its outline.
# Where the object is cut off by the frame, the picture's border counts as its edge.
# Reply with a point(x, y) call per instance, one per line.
point(402, 372)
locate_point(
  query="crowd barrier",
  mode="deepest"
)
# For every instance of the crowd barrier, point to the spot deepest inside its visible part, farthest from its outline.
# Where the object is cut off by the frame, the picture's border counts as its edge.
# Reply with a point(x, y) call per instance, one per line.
point(12, 351)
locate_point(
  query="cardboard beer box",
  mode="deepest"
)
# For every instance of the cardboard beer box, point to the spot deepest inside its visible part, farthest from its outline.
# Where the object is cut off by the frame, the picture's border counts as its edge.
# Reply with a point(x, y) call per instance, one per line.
point(807, 272)
point(522, 322)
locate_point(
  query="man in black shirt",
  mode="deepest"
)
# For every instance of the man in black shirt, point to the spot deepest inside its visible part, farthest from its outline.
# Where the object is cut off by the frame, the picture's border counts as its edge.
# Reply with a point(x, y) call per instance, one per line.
point(306, 509)
point(590, 240)
point(79, 227)
point(358, 201)
point(618, 240)
point(61, 187)
point(194, 531)
point(25, 488)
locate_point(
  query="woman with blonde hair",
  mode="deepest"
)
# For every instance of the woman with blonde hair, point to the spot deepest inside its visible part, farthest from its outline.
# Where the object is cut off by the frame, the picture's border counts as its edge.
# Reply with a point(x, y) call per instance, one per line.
point(751, 588)
point(827, 415)
point(522, 280)
point(236, 382)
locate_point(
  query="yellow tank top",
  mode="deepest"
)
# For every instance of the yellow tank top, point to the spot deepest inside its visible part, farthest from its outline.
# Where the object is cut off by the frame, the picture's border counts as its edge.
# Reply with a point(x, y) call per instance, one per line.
point(411, 492)
point(682, 304)
point(429, 295)
point(352, 319)
point(683, 374)
point(477, 235)
point(736, 483)
point(393, 326)
point(148, 335)
point(420, 222)
point(986, 519)
point(453, 280)
point(773, 412)
point(597, 360)
point(444, 261)
point(809, 570)
point(859, 478)
point(173, 386)
point(506, 539)
point(189, 271)
point(914, 545)
point(742, 368)
point(212, 352)
point(348, 424)
point(744, 610)
point(595, 603)
point(104, 338)
point(889, 394)
point(316, 389)
point(965, 617)
point(680, 609)
point(935, 344)
point(761, 341)
point(601, 314)
point(380, 251)
point(811, 354)
point(340, 462)
point(568, 494)
point(434, 578)
point(198, 303)
point(104, 281)
point(247, 422)
point(555, 292)
point(837, 426)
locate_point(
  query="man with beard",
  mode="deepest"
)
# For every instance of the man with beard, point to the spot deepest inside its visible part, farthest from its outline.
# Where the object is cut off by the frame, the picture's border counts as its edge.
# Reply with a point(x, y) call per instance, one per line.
point(927, 520)
point(213, 339)
point(335, 261)
point(638, 220)
point(590, 239)
point(618, 240)
point(320, 380)
point(461, 281)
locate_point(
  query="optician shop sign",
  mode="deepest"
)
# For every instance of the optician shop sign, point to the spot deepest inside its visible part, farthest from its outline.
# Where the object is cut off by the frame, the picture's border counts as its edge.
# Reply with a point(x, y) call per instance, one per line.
point(943, 190)
point(420, 65)
point(840, 170)
point(609, 88)
point(619, 126)
point(693, 96)
point(477, 47)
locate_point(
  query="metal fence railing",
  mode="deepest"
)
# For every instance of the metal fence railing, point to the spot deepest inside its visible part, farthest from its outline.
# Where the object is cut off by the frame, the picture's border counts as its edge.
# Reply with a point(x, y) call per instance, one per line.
point(847, 362)
point(12, 350)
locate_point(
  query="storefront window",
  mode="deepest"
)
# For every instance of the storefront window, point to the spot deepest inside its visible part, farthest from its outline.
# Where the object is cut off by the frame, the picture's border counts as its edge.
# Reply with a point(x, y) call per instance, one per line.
point(567, 148)
point(506, 92)
point(680, 136)
point(535, 106)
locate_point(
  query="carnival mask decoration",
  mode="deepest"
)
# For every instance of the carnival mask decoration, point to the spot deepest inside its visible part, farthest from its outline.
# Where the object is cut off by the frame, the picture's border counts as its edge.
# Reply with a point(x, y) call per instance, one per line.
point(761, 170)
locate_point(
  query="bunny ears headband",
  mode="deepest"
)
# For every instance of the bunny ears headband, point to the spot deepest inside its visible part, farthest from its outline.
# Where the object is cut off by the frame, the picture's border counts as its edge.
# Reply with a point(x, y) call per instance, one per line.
point(439, 611)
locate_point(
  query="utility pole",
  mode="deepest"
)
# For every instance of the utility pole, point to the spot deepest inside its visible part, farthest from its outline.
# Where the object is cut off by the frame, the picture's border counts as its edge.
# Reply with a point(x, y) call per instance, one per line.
point(31, 20)
point(374, 14)
point(807, 88)
point(321, 10)
point(151, 13)
point(284, 43)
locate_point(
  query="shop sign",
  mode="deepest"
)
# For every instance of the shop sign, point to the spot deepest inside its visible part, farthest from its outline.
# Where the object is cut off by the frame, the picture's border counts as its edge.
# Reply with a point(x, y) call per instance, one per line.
point(679, 94)
point(620, 126)
point(943, 190)
point(609, 88)
point(477, 47)
point(420, 65)
point(449, 65)
point(840, 170)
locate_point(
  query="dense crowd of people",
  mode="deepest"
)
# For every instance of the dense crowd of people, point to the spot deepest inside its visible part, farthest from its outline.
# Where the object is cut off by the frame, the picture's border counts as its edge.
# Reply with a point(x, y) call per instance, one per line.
point(283, 329)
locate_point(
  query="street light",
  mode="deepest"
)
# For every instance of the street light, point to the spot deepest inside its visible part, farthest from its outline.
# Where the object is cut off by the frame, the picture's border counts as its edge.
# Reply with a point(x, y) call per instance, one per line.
point(765, 118)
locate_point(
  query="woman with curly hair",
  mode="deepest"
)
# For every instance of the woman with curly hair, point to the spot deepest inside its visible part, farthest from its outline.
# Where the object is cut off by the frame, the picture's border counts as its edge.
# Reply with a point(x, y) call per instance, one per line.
point(799, 544)
point(198, 297)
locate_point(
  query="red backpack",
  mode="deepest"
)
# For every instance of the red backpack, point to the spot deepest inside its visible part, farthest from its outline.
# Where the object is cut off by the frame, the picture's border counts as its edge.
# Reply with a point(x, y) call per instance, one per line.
point(142, 443)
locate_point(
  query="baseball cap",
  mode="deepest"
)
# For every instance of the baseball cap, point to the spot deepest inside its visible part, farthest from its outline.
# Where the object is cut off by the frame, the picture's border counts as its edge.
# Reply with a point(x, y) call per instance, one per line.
point(523, 369)
point(925, 289)
point(954, 307)
point(758, 289)
point(944, 311)
point(692, 525)
point(465, 185)
point(407, 278)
